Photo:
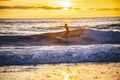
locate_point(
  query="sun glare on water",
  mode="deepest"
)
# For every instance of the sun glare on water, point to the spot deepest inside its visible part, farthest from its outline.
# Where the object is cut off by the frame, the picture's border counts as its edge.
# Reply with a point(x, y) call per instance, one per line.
point(66, 5)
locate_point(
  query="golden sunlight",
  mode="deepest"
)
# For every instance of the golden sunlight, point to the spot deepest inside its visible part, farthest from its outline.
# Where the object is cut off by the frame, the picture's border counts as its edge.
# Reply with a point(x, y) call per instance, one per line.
point(59, 8)
point(66, 5)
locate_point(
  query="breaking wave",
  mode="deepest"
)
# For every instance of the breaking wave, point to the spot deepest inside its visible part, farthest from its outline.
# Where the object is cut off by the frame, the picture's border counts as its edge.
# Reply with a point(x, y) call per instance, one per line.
point(59, 54)
point(78, 36)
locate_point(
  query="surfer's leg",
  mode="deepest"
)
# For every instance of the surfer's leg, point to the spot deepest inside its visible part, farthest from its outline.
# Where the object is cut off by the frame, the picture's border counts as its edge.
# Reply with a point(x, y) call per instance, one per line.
point(66, 34)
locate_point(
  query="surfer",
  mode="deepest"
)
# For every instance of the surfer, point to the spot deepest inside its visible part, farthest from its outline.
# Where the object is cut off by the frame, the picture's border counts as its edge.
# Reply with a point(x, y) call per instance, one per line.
point(67, 30)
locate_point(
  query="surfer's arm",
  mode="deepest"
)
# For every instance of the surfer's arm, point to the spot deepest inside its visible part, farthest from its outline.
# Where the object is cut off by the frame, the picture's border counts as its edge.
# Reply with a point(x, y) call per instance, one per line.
point(61, 26)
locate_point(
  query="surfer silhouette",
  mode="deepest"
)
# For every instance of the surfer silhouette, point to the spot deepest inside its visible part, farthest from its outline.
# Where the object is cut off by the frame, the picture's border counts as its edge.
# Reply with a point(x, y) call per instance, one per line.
point(67, 30)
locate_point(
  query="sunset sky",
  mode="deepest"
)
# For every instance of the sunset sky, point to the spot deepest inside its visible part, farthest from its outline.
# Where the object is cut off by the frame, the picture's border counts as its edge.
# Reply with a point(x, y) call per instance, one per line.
point(58, 8)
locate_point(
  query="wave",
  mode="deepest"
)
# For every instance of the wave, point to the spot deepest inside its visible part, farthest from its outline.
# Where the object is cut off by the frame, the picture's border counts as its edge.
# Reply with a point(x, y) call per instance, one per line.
point(78, 36)
point(113, 26)
point(59, 54)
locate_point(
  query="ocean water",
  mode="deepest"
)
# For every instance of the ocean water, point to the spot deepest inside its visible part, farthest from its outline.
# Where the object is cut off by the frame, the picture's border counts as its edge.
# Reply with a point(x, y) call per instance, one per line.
point(38, 26)
point(39, 41)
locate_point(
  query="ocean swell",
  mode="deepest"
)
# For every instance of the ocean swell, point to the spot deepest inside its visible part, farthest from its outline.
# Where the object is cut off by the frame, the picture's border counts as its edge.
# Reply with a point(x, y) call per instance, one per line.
point(78, 36)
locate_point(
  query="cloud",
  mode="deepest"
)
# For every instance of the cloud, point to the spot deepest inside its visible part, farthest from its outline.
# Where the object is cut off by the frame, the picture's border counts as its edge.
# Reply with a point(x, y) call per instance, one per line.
point(14, 7)
point(102, 9)
point(49, 7)
point(5, 0)
point(46, 7)
point(96, 9)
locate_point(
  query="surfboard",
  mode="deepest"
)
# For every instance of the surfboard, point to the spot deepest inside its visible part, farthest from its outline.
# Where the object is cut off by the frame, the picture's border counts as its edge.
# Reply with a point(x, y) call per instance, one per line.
point(62, 38)
point(59, 37)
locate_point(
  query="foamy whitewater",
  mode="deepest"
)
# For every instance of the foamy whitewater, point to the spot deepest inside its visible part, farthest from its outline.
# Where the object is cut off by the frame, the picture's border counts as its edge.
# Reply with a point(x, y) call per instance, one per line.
point(38, 41)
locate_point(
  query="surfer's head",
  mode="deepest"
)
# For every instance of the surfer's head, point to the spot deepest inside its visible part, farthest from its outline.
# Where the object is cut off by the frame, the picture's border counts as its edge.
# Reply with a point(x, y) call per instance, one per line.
point(65, 24)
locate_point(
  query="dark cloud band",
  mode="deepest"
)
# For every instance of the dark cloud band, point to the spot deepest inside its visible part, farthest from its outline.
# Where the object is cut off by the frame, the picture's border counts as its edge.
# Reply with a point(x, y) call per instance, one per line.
point(97, 9)
point(47, 7)
point(30, 7)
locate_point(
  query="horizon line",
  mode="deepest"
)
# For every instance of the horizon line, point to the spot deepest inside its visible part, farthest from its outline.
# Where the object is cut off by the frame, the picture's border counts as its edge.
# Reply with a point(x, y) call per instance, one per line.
point(65, 18)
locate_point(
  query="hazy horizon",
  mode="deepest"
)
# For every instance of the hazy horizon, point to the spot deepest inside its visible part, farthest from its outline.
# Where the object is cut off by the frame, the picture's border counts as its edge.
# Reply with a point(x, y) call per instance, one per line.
point(66, 18)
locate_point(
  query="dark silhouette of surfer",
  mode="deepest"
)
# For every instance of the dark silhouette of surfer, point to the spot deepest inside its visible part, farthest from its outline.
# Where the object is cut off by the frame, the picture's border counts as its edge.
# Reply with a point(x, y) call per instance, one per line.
point(67, 30)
